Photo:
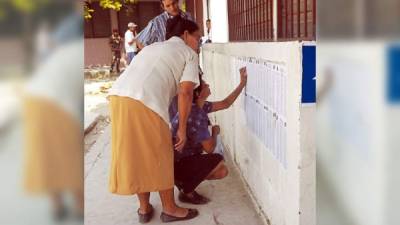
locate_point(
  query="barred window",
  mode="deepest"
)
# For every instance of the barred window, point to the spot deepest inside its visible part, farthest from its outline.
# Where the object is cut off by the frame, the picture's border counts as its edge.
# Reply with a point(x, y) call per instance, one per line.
point(296, 19)
point(252, 20)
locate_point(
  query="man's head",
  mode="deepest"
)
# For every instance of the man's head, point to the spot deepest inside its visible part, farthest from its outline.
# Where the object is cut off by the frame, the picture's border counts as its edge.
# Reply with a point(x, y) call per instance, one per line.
point(171, 7)
point(208, 23)
point(115, 31)
point(132, 26)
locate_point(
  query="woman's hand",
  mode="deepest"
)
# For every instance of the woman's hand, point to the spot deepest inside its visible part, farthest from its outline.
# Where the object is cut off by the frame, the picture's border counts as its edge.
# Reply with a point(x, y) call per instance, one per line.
point(215, 129)
point(243, 76)
point(180, 140)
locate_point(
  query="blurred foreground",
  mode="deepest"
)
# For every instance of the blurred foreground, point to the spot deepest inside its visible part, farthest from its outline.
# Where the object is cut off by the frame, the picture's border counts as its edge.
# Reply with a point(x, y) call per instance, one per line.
point(358, 64)
point(41, 86)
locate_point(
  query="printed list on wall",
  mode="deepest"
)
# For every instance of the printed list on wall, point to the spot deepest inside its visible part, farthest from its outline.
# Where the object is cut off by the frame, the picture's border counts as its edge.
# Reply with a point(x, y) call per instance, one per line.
point(265, 103)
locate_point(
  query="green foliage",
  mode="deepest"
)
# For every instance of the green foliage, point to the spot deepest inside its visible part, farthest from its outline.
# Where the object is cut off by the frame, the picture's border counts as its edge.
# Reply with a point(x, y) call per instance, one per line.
point(21, 6)
point(87, 12)
point(111, 4)
point(27, 6)
point(107, 4)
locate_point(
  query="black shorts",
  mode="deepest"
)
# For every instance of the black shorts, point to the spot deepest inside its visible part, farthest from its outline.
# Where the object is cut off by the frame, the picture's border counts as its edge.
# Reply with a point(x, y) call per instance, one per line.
point(192, 170)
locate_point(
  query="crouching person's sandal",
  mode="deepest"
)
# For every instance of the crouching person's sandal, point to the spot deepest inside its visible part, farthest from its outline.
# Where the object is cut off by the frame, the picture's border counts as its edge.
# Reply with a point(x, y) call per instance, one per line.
point(196, 198)
point(192, 213)
point(145, 218)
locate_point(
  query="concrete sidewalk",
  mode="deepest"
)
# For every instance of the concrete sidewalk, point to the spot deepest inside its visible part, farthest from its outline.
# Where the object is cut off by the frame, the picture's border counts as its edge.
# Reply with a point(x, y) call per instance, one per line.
point(90, 121)
point(230, 203)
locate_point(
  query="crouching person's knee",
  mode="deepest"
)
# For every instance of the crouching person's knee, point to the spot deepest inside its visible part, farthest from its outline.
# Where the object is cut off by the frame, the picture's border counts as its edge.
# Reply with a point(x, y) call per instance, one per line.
point(222, 172)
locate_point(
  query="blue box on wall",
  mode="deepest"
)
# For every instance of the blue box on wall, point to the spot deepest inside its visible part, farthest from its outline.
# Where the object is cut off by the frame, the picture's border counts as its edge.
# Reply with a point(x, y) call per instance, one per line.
point(309, 80)
point(393, 72)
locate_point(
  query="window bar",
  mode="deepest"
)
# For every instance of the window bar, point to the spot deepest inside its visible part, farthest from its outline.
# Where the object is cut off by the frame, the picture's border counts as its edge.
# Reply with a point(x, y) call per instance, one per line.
point(314, 20)
point(234, 17)
point(244, 19)
point(292, 19)
point(305, 19)
point(280, 19)
point(265, 8)
point(298, 19)
point(267, 19)
point(261, 28)
point(286, 18)
point(252, 25)
point(271, 26)
point(257, 10)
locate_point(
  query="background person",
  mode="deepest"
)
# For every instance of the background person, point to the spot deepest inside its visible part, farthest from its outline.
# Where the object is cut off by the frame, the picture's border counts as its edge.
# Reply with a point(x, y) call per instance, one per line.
point(130, 42)
point(115, 45)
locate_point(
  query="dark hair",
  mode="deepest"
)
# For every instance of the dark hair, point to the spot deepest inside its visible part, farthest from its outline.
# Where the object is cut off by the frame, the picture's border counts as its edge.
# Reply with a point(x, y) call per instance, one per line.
point(196, 91)
point(162, 1)
point(177, 25)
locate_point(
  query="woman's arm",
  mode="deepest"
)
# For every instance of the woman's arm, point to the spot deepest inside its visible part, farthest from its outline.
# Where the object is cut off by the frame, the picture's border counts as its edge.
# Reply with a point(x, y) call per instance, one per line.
point(185, 97)
point(228, 101)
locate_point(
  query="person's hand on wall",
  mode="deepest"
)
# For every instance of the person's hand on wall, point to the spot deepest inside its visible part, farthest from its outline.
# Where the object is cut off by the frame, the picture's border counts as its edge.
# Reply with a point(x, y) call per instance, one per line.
point(228, 101)
point(243, 76)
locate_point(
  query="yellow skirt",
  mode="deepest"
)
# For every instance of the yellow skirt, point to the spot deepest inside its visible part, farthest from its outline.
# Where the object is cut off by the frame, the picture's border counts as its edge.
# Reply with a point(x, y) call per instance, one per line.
point(53, 148)
point(142, 151)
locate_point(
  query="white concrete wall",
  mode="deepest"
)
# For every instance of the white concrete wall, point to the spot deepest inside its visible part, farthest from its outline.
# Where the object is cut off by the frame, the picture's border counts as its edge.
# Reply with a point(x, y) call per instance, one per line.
point(285, 195)
point(218, 14)
point(307, 164)
point(97, 52)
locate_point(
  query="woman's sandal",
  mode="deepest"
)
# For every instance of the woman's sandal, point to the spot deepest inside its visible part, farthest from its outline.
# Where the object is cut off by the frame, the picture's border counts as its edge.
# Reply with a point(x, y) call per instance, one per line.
point(192, 213)
point(145, 218)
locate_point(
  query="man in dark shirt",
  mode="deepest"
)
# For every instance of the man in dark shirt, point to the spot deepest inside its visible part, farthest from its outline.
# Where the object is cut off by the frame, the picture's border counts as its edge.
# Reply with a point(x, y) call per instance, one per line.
point(115, 44)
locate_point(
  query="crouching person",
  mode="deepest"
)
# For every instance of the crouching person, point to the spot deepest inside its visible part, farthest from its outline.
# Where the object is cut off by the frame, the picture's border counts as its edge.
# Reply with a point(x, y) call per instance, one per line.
point(198, 161)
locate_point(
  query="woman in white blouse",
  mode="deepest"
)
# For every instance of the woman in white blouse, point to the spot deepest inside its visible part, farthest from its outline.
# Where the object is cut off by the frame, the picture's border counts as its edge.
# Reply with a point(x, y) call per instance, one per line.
point(142, 148)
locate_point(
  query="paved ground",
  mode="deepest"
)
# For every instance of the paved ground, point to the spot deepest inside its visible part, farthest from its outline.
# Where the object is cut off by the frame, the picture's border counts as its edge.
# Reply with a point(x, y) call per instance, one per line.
point(230, 203)
point(230, 206)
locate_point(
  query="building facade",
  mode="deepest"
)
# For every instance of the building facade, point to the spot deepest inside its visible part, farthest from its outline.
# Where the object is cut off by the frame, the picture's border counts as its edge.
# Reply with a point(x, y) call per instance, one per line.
point(98, 29)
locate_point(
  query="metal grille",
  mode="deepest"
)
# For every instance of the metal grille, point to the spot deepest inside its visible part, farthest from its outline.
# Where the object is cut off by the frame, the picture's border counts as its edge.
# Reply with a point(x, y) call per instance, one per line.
point(250, 20)
point(195, 8)
point(296, 19)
